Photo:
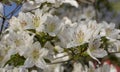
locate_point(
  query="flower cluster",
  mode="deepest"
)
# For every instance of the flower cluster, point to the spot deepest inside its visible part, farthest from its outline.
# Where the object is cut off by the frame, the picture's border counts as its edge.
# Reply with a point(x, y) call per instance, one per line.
point(45, 38)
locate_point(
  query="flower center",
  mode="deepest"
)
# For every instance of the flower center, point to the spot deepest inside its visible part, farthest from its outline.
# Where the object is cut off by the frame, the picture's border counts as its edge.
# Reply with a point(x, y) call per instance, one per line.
point(36, 21)
point(17, 42)
point(23, 23)
point(51, 27)
point(35, 54)
point(108, 31)
point(80, 36)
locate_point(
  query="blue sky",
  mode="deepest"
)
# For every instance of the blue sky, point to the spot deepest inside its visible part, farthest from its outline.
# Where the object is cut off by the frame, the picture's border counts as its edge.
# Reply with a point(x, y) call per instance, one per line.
point(8, 9)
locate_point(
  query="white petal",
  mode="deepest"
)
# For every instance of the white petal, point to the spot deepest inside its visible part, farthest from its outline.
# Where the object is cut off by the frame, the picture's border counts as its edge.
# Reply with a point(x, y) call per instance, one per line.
point(72, 2)
point(113, 69)
point(29, 5)
point(41, 64)
point(99, 53)
point(34, 71)
point(88, 51)
point(106, 68)
point(43, 52)
point(29, 63)
point(1, 10)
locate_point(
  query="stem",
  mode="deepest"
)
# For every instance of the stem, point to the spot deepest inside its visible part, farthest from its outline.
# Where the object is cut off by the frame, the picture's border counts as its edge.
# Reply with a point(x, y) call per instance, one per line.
point(59, 62)
point(2, 25)
point(96, 14)
point(60, 57)
point(114, 52)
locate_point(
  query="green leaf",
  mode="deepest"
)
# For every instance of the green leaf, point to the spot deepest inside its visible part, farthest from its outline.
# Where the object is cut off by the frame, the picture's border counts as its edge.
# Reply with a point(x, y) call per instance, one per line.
point(44, 37)
point(115, 6)
point(47, 60)
point(16, 60)
point(31, 30)
point(114, 59)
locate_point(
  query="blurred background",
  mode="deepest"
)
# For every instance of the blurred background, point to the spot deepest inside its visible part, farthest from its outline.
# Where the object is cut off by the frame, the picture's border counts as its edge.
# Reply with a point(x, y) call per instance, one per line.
point(107, 10)
point(101, 10)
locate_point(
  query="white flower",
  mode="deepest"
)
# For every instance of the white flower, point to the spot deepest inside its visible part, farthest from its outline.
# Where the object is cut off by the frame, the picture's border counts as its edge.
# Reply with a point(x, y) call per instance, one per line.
point(14, 25)
point(34, 71)
point(109, 31)
point(29, 5)
point(60, 57)
point(59, 49)
point(4, 55)
point(103, 68)
point(7, 49)
point(39, 19)
point(94, 27)
point(79, 68)
point(91, 67)
point(34, 56)
point(89, 12)
point(72, 2)
point(50, 47)
point(117, 55)
point(94, 49)
point(82, 34)
point(13, 69)
point(22, 22)
point(84, 31)
point(66, 36)
point(99, 53)
point(19, 70)
point(114, 46)
point(19, 41)
point(2, 70)
point(53, 25)
point(54, 68)
point(106, 68)
point(25, 20)
point(42, 1)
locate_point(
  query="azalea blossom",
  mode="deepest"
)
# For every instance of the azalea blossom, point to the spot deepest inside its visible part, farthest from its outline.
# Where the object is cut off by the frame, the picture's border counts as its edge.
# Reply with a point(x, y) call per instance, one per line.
point(34, 56)
point(53, 25)
point(53, 35)
point(29, 6)
point(94, 49)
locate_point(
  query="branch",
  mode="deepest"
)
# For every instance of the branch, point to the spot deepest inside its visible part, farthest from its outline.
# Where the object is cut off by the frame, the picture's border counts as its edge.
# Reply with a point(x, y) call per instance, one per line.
point(96, 14)
point(2, 25)
point(114, 52)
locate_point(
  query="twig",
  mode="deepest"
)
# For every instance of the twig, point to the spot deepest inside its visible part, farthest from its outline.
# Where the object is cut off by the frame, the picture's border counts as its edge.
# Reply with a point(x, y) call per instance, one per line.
point(3, 20)
point(59, 62)
point(114, 52)
point(60, 57)
point(96, 14)
point(2, 25)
